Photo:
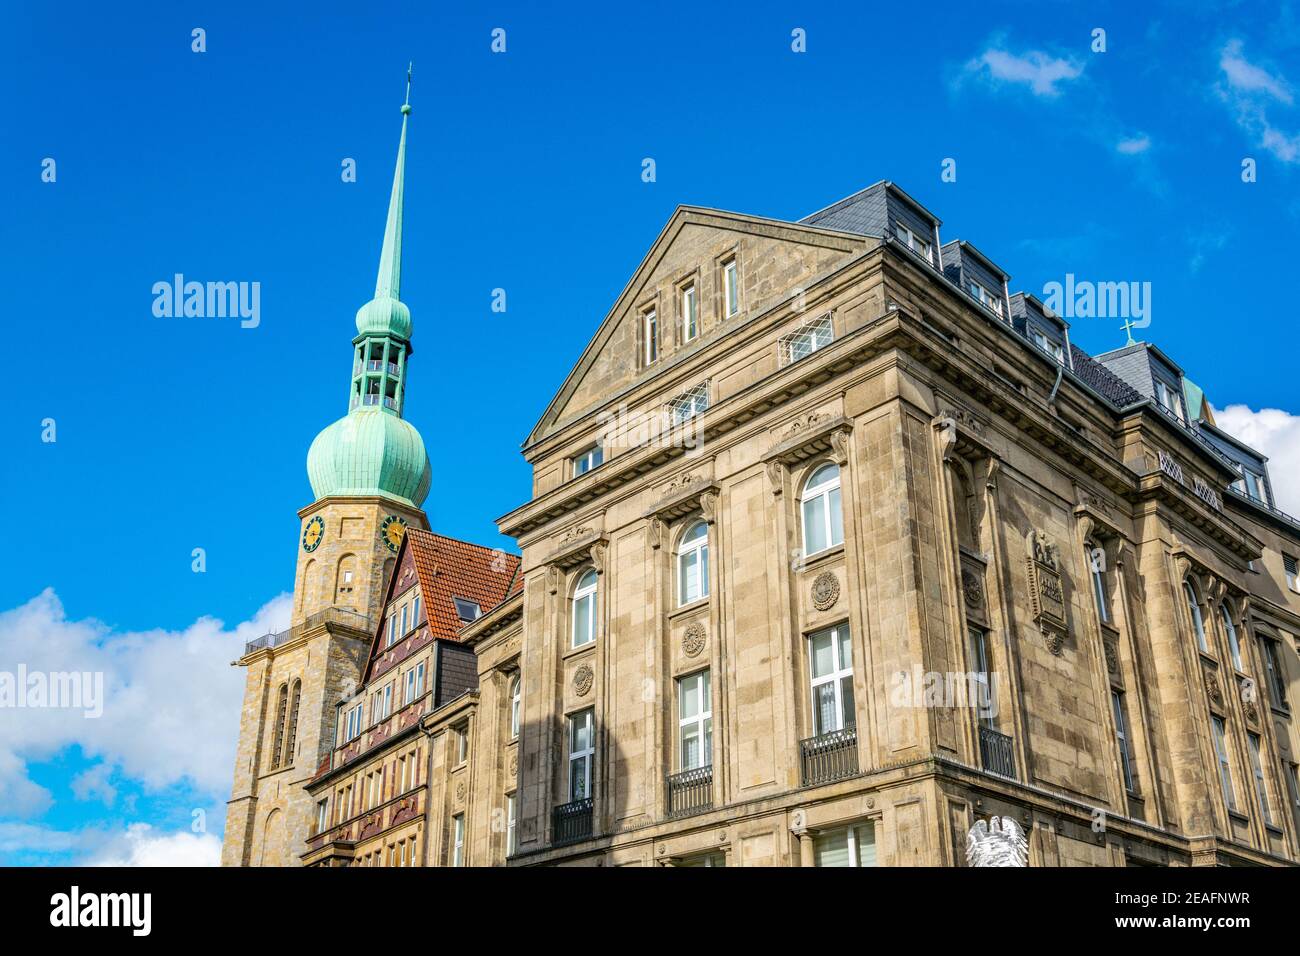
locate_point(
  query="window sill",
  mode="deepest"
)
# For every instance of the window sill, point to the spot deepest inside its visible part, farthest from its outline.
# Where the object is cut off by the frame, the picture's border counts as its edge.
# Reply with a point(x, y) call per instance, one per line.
point(821, 557)
point(578, 651)
point(1238, 817)
point(687, 609)
point(1274, 829)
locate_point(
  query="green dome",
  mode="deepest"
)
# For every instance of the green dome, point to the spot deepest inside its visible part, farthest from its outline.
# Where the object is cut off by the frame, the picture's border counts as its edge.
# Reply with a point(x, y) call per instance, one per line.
point(384, 315)
point(370, 451)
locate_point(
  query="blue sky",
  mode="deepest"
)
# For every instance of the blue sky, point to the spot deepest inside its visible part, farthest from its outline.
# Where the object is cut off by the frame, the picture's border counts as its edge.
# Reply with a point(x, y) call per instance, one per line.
point(524, 173)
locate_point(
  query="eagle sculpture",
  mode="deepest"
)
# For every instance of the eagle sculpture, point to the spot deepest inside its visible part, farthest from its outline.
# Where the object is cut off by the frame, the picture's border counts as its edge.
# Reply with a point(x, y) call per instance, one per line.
point(1000, 842)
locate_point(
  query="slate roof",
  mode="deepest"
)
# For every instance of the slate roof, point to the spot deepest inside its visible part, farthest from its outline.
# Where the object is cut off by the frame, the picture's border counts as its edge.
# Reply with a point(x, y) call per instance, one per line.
point(1102, 380)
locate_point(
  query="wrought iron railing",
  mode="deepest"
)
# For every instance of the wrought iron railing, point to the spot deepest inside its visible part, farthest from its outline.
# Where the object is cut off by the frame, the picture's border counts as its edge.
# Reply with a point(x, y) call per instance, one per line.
point(330, 615)
point(997, 754)
point(690, 791)
point(572, 822)
point(832, 756)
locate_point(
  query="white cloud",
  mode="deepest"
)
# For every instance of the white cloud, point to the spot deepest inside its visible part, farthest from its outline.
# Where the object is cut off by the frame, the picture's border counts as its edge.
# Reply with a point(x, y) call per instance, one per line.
point(1041, 72)
point(94, 784)
point(1274, 433)
point(1252, 92)
point(170, 704)
point(1133, 145)
point(141, 846)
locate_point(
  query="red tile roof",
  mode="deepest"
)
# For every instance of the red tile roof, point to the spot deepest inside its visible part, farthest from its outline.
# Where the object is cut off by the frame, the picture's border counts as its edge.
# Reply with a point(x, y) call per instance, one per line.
point(450, 568)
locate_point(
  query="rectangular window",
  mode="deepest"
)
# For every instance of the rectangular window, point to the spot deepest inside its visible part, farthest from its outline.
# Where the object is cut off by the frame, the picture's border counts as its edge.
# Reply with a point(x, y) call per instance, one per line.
point(1121, 739)
point(650, 332)
point(1273, 671)
point(588, 460)
point(322, 815)
point(415, 612)
point(1225, 768)
point(806, 340)
point(402, 774)
point(849, 846)
point(1257, 769)
point(986, 298)
point(1169, 399)
point(689, 403)
point(582, 750)
point(1047, 345)
point(392, 629)
point(388, 699)
point(730, 287)
point(462, 744)
point(458, 840)
point(830, 657)
point(913, 242)
point(402, 632)
point(1290, 570)
point(690, 315)
point(414, 683)
point(510, 824)
point(695, 721)
point(986, 705)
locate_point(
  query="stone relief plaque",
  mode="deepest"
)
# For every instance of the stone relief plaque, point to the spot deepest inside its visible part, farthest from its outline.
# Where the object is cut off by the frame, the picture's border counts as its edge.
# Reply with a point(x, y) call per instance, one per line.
point(694, 639)
point(583, 678)
point(1046, 589)
point(825, 591)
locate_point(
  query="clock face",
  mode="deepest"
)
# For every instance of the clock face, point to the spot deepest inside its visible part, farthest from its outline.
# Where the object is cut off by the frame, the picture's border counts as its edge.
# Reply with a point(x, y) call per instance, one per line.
point(392, 530)
point(313, 533)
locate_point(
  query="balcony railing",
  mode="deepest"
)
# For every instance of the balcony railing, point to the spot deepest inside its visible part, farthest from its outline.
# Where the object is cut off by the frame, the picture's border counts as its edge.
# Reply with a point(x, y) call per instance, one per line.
point(832, 756)
point(997, 754)
point(690, 791)
point(330, 615)
point(572, 822)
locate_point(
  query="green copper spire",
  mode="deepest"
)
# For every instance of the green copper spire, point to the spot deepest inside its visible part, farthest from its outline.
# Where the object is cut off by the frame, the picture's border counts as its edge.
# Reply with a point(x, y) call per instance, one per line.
point(372, 450)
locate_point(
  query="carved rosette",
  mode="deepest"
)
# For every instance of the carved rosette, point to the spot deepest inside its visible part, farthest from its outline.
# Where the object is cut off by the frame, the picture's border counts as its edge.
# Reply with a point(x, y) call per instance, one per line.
point(460, 792)
point(825, 591)
point(972, 589)
point(694, 639)
point(1112, 657)
point(514, 764)
point(583, 678)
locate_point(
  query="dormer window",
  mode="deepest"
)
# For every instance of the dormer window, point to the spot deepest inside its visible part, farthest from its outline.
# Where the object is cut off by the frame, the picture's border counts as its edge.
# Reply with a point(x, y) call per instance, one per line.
point(1047, 345)
point(914, 242)
point(1252, 483)
point(467, 610)
point(986, 298)
point(588, 460)
point(1169, 399)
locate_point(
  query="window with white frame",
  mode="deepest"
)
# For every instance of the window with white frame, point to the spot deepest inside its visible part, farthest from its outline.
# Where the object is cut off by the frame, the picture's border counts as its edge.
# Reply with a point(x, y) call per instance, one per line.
point(830, 667)
point(458, 840)
point(1194, 609)
point(415, 612)
point(1230, 629)
point(986, 704)
point(730, 287)
point(913, 242)
point(847, 846)
point(1050, 346)
point(693, 564)
point(322, 815)
point(352, 723)
point(1289, 568)
point(690, 313)
point(584, 608)
point(582, 751)
point(1122, 740)
point(588, 460)
point(461, 743)
point(695, 721)
point(1169, 399)
point(650, 336)
point(1257, 770)
point(414, 683)
point(392, 629)
point(405, 609)
point(689, 404)
point(805, 340)
point(823, 520)
point(1096, 565)
point(516, 701)
point(1252, 483)
point(510, 824)
point(1225, 766)
point(986, 298)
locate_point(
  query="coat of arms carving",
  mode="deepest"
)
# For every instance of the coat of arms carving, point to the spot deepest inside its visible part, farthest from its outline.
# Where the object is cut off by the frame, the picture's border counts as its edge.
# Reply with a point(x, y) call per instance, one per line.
point(1046, 589)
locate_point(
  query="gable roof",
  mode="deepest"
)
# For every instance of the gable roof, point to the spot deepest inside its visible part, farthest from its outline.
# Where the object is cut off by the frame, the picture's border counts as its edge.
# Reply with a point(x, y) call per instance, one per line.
point(447, 568)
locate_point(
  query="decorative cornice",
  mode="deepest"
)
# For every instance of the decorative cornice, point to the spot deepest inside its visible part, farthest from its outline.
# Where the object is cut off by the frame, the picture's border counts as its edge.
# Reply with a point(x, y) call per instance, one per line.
point(577, 546)
point(813, 435)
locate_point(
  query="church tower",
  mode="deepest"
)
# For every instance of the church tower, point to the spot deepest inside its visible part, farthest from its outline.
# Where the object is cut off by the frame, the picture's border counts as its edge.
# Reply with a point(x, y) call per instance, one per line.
point(369, 473)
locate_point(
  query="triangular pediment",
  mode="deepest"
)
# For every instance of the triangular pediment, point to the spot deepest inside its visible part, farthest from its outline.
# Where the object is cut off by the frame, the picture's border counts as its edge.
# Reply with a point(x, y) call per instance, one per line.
point(774, 257)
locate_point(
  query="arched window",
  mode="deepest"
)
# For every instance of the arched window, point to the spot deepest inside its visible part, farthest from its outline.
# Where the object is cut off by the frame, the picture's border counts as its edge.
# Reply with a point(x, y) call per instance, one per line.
point(1231, 630)
point(693, 564)
point(345, 585)
point(281, 713)
point(1194, 608)
point(584, 609)
point(823, 522)
point(1097, 568)
point(308, 572)
point(292, 736)
point(516, 693)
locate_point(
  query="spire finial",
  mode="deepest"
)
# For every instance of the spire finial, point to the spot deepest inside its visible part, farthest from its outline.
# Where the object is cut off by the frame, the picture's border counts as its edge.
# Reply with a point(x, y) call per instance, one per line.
point(390, 259)
point(409, 67)
point(1128, 328)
